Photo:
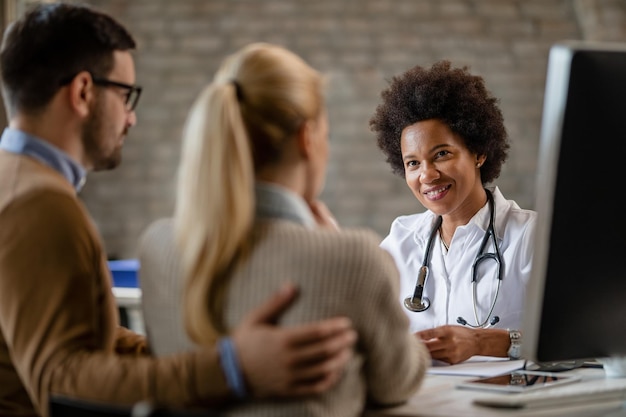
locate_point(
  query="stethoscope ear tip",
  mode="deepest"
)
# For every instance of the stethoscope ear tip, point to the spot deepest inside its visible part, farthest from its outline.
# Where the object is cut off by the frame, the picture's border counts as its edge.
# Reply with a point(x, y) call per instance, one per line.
point(494, 320)
point(416, 305)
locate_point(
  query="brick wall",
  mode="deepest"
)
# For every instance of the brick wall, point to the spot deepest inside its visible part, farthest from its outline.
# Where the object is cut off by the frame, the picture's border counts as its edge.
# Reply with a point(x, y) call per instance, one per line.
point(360, 44)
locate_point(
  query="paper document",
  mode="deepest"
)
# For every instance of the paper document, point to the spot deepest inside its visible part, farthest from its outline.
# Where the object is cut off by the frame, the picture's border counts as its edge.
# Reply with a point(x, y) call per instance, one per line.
point(478, 366)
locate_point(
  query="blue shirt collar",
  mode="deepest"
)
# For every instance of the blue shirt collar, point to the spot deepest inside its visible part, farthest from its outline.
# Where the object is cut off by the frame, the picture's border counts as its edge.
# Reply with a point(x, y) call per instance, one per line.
point(20, 142)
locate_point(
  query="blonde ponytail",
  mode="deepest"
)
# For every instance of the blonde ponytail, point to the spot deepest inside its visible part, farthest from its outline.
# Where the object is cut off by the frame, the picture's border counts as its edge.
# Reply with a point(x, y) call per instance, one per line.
point(239, 124)
point(215, 202)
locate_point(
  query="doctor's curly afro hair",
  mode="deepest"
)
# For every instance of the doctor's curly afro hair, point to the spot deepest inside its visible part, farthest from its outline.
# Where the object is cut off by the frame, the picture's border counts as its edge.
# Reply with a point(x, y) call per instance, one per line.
point(452, 95)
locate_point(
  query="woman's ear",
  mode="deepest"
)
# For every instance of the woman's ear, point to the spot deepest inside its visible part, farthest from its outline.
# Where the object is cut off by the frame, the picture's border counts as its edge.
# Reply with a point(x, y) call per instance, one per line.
point(480, 160)
point(304, 138)
point(81, 93)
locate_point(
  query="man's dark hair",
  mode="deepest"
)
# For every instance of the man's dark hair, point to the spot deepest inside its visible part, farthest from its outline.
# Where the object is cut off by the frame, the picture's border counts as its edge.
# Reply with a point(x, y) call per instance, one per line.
point(452, 95)
point(52, 43)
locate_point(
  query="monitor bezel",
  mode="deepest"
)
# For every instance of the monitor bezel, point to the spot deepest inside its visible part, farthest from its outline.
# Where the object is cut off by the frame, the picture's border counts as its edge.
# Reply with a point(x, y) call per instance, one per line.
point(554, 109)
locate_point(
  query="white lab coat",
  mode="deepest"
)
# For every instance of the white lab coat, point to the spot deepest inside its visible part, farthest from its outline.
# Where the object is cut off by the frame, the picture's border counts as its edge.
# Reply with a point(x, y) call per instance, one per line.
point(449, 285)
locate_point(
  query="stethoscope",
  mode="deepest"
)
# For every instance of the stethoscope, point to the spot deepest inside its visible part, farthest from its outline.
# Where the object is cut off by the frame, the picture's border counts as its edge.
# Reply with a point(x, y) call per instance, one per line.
point(418, 303)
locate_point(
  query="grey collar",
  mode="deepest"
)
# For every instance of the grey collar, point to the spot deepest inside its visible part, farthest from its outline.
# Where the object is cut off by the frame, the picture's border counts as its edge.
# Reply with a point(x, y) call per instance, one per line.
point(276, 202)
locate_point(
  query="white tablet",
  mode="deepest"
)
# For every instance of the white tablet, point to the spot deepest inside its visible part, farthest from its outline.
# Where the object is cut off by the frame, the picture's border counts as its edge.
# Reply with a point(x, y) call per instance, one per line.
point(520, 381)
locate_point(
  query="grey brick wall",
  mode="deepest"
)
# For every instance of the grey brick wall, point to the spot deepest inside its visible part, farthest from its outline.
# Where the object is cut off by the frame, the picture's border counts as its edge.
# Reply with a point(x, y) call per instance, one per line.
point(360, 44)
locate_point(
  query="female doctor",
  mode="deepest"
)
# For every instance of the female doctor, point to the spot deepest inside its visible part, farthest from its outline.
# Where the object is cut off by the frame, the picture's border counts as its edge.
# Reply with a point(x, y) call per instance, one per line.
point(465, 261)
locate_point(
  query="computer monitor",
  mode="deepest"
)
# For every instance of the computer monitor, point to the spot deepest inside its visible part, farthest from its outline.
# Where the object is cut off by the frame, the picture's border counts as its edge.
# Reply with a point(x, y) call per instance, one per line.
point(576, 299)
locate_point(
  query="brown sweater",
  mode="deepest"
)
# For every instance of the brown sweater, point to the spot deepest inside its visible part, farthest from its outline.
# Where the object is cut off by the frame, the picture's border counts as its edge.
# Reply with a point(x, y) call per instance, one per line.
point(59, 330)
point(343, 273)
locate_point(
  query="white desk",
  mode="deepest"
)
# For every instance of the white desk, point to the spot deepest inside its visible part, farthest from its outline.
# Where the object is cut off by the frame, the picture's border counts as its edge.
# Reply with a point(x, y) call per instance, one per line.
point(129, 299)
point(438, 397)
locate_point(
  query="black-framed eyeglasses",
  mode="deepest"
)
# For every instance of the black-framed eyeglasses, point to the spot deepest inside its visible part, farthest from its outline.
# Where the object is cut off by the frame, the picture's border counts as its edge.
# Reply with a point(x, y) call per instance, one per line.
point(132, 96)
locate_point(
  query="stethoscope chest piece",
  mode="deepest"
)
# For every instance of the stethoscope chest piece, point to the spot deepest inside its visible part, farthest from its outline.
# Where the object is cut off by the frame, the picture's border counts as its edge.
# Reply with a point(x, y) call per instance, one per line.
point(416, 305)
point(418, 302)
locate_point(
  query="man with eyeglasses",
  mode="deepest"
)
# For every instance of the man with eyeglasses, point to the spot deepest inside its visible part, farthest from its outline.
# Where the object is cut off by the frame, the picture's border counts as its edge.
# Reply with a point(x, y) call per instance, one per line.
point(69, 87)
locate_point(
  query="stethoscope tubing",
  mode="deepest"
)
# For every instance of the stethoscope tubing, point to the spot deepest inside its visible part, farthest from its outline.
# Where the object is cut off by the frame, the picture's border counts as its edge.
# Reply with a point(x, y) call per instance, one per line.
point(418, 303)
point(481, 256)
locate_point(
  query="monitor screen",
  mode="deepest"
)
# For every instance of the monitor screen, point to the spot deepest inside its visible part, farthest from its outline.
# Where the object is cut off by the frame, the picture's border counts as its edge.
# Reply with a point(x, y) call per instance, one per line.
point(576, 305)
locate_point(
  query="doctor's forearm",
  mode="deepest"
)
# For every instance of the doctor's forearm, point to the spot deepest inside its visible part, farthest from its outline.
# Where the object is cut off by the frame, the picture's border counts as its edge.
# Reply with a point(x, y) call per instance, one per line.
point(493, 342)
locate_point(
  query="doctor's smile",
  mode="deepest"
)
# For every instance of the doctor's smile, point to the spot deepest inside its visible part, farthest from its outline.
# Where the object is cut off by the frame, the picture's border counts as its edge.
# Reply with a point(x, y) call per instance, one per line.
point(438, 193)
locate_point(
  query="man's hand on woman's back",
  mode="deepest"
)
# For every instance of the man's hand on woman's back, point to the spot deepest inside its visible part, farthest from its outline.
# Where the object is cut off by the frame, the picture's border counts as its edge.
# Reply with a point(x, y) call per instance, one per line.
point(291, 361)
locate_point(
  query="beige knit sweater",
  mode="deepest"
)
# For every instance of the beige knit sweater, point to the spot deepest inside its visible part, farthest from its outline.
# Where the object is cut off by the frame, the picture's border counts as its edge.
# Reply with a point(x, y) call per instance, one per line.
point(343, 273)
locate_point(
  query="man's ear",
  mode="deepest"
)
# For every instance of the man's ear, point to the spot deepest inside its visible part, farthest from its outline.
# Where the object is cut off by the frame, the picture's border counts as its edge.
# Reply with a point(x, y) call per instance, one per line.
point(81, 93)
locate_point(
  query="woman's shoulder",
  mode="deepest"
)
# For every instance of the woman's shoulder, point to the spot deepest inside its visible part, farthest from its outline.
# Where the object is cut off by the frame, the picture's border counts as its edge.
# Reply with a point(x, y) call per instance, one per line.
point(162, 228)
point(296, 230)
point(354, 237)
point(352, 242)
point(346, 257)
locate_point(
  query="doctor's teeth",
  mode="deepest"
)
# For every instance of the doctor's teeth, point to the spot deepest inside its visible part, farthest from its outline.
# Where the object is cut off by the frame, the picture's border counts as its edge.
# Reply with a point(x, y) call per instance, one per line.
point(435, 192)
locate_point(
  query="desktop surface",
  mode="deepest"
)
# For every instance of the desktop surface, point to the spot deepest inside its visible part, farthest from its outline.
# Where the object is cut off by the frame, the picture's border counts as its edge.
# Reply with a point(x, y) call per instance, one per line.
point(440, 397)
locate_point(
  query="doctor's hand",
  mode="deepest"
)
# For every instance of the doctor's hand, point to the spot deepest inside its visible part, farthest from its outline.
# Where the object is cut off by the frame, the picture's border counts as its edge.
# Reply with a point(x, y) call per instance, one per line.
point(454, 344)
point(291, 361)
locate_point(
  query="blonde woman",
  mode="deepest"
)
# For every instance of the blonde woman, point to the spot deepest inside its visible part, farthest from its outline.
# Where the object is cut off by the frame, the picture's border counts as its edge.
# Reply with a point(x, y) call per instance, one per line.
point(247, 220)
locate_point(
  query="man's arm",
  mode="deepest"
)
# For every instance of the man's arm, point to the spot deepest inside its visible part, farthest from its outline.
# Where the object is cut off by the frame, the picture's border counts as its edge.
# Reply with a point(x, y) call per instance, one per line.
point(279, 361)
point(129, 342)
point(59, 319)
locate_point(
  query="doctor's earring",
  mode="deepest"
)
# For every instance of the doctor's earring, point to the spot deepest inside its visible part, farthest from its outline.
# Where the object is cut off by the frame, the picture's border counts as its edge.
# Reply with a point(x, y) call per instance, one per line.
point(478, 164)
